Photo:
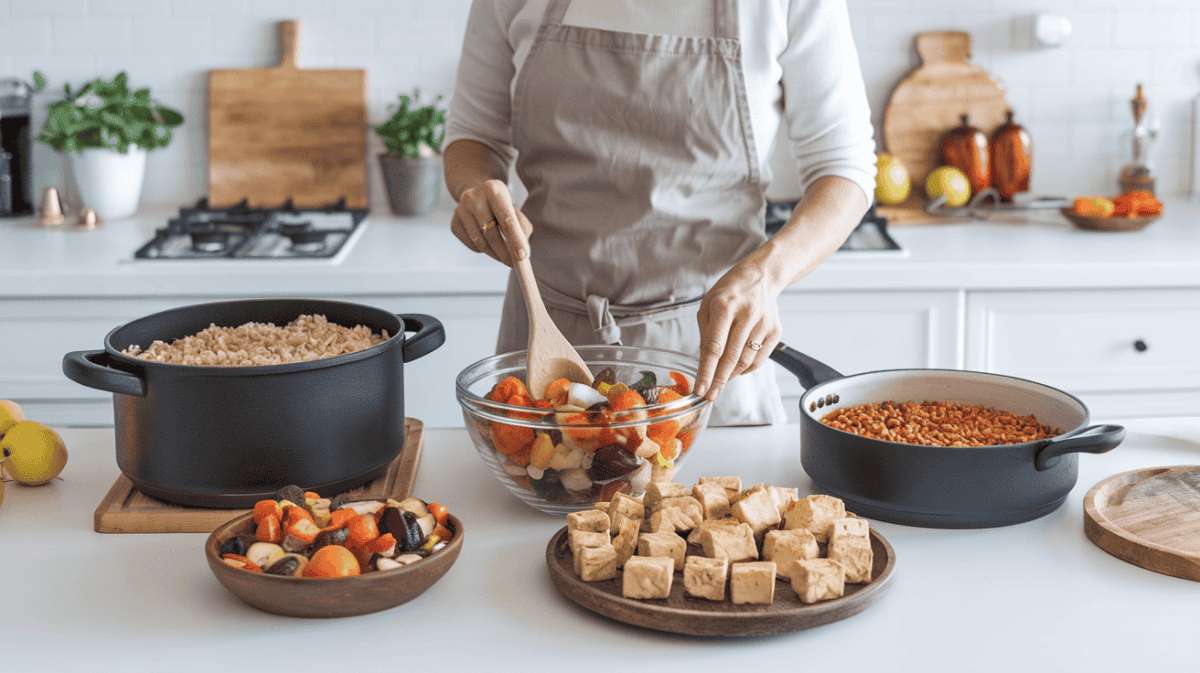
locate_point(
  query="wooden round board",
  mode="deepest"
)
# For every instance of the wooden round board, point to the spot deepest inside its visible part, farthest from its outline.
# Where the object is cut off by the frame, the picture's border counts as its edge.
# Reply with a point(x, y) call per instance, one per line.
point(700, 617)
point(1150, 518)
point(1117, 223)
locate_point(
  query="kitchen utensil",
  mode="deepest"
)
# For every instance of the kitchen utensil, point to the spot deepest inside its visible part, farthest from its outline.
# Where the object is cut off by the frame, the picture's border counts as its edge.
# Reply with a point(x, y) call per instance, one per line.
point(325, 596)
point(932, 99)
point(966, 148)
point(127, 510)
point(1111, 223)
point(1010, 150)
point(700, 617)
point(942, 486)
point(286, 132)
point(1148, 517)
point(550, 356)
point(226, 437)
point(501, 430)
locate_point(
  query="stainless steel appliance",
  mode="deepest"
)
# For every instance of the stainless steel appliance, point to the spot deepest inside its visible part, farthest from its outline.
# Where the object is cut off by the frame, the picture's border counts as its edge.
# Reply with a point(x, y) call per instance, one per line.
point(15, 150)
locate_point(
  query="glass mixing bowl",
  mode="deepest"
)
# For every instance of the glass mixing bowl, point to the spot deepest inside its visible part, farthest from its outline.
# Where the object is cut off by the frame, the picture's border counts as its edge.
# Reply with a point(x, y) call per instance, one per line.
point(596, 453)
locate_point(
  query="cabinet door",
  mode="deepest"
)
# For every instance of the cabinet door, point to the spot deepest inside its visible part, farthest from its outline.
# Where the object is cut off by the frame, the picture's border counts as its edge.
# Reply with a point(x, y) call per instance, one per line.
point(856, 332)
point(1124, 352)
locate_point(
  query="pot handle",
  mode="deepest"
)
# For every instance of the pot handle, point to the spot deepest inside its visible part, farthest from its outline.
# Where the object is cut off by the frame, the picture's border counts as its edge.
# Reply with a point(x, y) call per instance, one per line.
point(92, 370)
point(1092, 439)
point(809, 371)
point(429, 335)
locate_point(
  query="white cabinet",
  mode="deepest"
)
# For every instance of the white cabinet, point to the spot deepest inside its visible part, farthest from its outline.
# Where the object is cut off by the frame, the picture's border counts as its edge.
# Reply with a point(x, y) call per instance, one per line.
point(856, 332)
point(1123, 352)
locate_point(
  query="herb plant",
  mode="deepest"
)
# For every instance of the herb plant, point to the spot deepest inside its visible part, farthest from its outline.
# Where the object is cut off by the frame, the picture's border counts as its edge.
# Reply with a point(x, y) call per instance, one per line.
point(411, 127)
point(107, 115)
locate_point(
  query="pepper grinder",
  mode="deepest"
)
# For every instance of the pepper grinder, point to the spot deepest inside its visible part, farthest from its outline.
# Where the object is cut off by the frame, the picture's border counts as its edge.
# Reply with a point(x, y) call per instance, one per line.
point(1138, 174)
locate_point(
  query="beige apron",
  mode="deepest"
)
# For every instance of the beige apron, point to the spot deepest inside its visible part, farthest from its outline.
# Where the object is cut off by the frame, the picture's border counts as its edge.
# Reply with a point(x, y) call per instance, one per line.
point(644, 188)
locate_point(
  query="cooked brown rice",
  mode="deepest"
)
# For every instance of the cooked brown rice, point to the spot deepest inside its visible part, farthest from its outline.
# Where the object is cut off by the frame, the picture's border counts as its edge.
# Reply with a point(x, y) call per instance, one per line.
point(308, 337)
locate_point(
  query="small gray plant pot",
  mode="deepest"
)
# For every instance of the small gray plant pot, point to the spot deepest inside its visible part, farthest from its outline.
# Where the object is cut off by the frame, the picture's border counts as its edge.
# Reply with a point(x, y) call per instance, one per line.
point(413, 185)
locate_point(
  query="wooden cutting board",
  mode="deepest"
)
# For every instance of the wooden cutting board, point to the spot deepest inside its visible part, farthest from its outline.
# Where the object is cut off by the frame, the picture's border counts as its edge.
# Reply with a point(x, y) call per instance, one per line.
point(127, 510)
point(287, 132)
point(1150, 518)
point(930, 101)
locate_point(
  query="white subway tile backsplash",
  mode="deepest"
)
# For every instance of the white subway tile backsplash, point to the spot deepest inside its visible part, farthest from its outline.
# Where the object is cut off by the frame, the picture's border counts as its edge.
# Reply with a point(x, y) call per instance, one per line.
point(1074, 99)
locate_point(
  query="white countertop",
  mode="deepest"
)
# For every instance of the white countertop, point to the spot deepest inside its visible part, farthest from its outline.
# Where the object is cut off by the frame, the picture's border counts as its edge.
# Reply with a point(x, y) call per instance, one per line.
point(1035, 597)
point(420, 256)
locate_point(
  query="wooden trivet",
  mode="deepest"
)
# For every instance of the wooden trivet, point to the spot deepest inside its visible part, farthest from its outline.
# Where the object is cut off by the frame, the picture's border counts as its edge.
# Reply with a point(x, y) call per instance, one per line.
point(127, 510)
point(1150, 518)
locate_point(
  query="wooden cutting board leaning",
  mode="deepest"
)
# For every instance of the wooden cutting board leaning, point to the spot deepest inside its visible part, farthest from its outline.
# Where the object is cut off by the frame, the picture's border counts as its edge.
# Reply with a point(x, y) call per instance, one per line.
point(930, 101)
point(287, 132)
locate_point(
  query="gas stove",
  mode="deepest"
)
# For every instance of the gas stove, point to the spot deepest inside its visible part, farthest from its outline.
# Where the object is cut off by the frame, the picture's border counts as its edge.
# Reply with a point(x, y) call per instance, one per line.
point(242, 232)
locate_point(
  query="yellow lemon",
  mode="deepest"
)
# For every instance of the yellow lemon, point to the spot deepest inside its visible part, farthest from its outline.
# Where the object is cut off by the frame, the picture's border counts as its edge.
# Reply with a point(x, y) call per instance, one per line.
point(951, 182)
point(32, 453)
point(892, 182)
point(10, 413)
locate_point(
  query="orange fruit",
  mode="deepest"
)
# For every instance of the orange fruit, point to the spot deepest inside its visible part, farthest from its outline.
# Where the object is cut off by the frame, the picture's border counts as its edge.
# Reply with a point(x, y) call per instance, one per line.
point(332, 561)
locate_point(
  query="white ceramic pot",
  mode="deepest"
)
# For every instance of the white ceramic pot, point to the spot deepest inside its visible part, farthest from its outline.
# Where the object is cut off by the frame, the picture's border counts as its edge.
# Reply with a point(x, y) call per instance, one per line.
point(109, 182)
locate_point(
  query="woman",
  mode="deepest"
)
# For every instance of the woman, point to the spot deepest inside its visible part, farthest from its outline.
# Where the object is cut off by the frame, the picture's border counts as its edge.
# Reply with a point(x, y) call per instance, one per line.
point(641, 131)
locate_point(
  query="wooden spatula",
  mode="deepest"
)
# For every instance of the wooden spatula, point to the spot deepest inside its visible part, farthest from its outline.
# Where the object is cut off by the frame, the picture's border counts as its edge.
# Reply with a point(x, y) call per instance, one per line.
point(551, 356)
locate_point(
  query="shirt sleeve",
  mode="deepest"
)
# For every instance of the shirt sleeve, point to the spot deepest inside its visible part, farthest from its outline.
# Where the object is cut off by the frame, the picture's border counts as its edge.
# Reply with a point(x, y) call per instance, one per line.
point(480, 108)
point(826, 114)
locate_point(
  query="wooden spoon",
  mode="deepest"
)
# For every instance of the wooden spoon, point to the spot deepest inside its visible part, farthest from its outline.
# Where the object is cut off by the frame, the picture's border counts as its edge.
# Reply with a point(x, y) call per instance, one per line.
point(551, 356)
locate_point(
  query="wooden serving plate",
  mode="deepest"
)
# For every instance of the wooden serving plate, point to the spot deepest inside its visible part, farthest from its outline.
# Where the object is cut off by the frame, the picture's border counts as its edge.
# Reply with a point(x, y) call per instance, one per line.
point(1117, 223)
point(1150, 518)
point(127, 510)
point(700, 617)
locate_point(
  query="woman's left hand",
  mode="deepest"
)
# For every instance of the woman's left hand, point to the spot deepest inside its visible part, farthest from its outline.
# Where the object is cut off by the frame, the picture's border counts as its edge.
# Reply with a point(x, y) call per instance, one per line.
point(739, 327)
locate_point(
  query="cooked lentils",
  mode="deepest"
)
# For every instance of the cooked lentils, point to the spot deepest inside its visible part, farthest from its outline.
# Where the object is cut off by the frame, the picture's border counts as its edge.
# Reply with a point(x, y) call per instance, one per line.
point(938, 424)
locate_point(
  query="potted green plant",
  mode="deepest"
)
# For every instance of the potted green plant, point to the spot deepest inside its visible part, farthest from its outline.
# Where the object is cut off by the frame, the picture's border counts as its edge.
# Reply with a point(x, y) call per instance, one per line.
point(106, 129)
point(412, 165)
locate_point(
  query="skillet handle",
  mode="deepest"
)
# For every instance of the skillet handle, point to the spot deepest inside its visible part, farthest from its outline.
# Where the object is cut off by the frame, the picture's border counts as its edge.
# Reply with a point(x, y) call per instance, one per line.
point(91, 369)
point(810, 372)
point(430, 335)
point(1092, 439)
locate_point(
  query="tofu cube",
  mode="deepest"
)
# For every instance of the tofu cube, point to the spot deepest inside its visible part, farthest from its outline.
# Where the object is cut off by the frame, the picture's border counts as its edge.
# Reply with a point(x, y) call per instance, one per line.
point(579, 539)
point(731, 484)
point(648, 577)
point(733, 543)
point(785, 547)
point(728, 522)
point(783, 498)
point(855, 555)
point(657, 491)
point(684, 513)
point(818, 579)
point(626, 541)
point(713, 499)
point(597, 563)
point(624, 507)
point(752, 582)
point(663, 544)
point(849, 527)
point(705, 577)
point(758, 510)
point(592, 520)
point(815, 513)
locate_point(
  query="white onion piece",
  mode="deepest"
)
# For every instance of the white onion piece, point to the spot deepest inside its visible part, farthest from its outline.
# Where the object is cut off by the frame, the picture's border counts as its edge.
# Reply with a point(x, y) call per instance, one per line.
point(584, 396)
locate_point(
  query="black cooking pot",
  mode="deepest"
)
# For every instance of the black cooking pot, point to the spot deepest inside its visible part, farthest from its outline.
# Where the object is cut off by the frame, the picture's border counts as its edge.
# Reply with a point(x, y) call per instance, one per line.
point(226, 437)
point(942, 486)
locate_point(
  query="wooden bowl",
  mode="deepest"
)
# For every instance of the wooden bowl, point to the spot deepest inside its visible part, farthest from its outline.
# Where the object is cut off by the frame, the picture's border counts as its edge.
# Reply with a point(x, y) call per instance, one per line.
point(1116, 223)
point(329, 597)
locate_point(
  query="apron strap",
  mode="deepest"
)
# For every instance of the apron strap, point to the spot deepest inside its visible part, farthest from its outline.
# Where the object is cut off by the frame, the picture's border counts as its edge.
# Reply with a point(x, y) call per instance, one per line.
point(607, 319)
point(555, 11)
point(725, 19)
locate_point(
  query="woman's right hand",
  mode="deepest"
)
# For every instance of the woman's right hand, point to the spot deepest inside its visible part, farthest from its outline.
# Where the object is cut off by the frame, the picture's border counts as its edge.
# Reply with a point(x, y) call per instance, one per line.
point(486, 221)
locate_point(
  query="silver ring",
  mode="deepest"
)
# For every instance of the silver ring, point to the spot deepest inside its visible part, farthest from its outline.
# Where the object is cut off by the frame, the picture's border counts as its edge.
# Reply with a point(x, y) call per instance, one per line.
point(753, 345)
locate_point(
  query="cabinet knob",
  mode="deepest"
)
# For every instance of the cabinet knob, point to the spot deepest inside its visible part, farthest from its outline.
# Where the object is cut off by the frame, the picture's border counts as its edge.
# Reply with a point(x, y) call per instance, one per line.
point(1140, 346)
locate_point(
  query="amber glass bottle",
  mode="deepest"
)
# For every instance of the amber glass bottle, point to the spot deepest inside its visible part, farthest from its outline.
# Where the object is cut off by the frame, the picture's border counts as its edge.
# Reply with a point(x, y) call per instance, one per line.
point(1011, 153)
point(966, 148)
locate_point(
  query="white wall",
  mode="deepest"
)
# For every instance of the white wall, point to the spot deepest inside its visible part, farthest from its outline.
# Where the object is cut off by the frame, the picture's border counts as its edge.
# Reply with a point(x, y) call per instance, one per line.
point(1073, 99)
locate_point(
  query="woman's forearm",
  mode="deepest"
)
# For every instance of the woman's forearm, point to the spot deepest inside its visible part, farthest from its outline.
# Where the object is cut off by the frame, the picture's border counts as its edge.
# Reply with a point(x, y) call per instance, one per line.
point(470, 163)
point(831, 208)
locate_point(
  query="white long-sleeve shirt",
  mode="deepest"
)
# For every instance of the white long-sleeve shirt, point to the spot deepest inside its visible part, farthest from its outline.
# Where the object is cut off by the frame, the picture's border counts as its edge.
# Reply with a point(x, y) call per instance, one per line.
point(800, 65)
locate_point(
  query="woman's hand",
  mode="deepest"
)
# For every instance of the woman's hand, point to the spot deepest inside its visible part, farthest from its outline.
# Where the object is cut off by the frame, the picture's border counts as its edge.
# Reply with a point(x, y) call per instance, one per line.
point(739, 327)
point(485, 219)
